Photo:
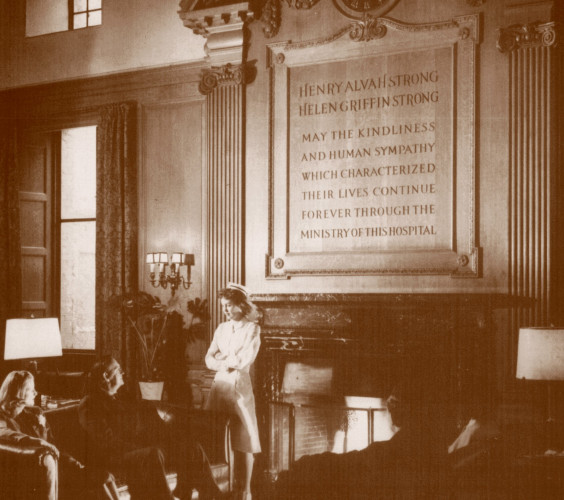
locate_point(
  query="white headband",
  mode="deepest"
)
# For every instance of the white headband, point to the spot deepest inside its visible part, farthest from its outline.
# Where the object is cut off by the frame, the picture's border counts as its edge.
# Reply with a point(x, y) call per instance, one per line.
point(240, 288)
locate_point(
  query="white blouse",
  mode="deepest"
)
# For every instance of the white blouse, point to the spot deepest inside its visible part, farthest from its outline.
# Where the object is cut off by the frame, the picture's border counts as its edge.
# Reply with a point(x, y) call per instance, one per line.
point(235, 345)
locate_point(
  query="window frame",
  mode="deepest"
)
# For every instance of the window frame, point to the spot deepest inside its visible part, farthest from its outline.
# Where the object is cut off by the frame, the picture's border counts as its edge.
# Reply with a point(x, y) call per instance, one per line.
point(72, 14)
point(78, 357)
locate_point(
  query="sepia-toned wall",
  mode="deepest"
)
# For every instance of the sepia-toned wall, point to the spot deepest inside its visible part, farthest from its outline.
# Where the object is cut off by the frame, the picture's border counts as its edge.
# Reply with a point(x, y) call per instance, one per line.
point(133, 35)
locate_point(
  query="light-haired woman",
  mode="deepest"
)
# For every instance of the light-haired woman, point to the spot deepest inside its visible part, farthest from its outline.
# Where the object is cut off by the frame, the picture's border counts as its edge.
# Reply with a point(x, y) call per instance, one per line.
point(24, 424)
point(233, 350)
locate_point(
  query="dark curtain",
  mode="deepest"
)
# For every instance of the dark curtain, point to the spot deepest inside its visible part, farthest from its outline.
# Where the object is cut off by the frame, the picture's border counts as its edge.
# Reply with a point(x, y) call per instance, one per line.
point(116, 231)
point(10, 248)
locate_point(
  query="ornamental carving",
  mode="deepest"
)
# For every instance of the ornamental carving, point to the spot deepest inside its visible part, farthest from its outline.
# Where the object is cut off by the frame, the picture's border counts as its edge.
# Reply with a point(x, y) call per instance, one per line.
point(367, 29)
point(302, 4)
point(519, 36)
point(355, 9)
point(223, 76)
point(208, 17)
point(270, 17)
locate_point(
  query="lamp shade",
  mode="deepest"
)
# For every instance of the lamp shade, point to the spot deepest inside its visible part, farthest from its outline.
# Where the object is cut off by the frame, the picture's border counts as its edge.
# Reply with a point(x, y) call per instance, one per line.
point(32, 338)
point(540, 354)
point(177, 258)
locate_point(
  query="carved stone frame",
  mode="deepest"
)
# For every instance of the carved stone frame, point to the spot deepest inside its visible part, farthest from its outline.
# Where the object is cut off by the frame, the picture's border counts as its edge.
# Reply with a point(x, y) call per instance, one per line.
point(366, 38)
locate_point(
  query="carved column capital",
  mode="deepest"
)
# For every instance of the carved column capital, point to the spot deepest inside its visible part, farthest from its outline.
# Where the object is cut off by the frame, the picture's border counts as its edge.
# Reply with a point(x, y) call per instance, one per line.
point(518, 36)
point(224, 76)
point(223, 28)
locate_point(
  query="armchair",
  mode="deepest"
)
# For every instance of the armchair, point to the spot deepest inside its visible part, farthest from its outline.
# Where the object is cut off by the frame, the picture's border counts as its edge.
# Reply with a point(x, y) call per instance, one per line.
point(27, 472)
point(30, 472)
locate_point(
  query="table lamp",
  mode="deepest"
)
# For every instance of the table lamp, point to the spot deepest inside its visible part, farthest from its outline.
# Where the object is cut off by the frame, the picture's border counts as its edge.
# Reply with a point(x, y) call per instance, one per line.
point(32, 338)
point(540, 356)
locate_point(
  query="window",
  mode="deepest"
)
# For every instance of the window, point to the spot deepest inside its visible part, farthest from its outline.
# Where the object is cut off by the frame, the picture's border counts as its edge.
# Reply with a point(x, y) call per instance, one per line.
point(86, 13)
point(51, 16)
point(77, 229)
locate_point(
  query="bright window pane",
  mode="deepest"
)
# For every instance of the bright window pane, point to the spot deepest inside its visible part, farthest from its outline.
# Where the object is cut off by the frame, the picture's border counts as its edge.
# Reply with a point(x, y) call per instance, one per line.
point(78, 173)
point(78, 281)
point(94, 4)
point(79, 5)
point(95, 18)
point(79, 21)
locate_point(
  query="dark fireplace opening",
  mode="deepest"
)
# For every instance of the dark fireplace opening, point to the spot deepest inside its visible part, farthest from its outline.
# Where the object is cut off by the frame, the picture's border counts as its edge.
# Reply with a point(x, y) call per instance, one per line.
point(326, 405)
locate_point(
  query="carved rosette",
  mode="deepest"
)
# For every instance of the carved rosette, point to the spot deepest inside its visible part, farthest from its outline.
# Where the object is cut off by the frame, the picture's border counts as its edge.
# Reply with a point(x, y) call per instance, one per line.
point(367, 29)
point(222, 77)
point(519, 36)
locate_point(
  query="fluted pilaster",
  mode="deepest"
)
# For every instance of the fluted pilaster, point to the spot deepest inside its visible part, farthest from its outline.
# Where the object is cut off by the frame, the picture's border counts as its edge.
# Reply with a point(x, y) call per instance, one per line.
point(224, 91)
point(223, 85)
point(532, 169)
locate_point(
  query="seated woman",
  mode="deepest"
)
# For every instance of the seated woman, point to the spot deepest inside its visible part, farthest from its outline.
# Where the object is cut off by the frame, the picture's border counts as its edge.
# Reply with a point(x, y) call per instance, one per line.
point(23, 424)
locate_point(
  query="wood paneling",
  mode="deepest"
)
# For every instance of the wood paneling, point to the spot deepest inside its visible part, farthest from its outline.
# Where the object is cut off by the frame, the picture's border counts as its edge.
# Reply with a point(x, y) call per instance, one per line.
point(39, 152)
point(171, 187)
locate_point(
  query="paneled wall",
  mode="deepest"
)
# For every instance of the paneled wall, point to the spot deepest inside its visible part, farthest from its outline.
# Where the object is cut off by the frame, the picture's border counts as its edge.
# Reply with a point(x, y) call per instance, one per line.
point(36, 219)
point(171, 170)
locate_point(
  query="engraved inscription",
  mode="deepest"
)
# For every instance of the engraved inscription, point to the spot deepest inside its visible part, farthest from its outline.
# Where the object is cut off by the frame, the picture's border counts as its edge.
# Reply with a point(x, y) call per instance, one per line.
point(370, 150)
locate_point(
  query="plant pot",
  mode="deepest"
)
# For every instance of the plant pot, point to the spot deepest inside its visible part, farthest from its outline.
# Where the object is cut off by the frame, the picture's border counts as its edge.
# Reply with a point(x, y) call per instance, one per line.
point(152, 390)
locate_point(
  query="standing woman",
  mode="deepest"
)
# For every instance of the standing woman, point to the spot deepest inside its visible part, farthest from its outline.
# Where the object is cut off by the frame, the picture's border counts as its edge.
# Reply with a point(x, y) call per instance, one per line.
point(233, 350)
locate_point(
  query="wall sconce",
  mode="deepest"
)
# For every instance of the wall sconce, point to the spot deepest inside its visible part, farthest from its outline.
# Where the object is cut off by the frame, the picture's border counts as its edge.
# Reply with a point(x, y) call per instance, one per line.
point(177, 260)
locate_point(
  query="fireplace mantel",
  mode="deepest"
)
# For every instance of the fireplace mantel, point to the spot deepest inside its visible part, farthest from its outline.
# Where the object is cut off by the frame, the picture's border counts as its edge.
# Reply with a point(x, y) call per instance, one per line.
point(442, 342)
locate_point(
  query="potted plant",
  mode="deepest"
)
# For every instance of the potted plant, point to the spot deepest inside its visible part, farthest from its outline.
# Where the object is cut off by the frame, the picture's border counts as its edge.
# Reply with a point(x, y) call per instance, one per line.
point(180, 336)
point(148, 319)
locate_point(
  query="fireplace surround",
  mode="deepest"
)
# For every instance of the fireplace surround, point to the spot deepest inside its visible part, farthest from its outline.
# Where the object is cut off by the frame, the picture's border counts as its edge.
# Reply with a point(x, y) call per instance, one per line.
point(320, 350)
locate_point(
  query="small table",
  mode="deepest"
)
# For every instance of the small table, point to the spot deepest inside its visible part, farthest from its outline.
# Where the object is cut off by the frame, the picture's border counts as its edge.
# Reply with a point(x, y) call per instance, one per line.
point(51, 403)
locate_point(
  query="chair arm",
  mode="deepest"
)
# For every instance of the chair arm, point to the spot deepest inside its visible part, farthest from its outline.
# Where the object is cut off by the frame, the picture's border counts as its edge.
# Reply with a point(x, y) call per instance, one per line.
point(29, 454)
point(28, 471)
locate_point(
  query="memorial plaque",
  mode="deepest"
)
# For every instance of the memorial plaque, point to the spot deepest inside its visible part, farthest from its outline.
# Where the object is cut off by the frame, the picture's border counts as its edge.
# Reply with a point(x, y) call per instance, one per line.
point(373, 151)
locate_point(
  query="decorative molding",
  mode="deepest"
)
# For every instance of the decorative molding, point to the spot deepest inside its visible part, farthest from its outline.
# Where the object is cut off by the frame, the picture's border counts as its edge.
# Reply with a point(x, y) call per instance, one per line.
point(301, 4)
point(223, 28)
point(518, 36)
point(367, 29)
point(371, 28)
point(209, 20)
point(286, 60)
point(271, 18)
point(356, 9)
point(475, 3)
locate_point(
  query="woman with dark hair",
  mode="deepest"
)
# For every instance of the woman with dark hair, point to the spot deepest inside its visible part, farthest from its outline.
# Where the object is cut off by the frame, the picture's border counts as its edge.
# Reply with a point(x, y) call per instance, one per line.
point(232, 352)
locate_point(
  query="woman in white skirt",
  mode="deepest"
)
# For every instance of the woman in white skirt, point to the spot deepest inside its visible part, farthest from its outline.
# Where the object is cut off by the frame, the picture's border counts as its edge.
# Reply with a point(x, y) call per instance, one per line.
point(231, 354)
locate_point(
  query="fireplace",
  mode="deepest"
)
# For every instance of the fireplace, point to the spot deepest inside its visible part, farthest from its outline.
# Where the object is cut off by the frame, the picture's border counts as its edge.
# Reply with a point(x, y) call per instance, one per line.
point(328, 362)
